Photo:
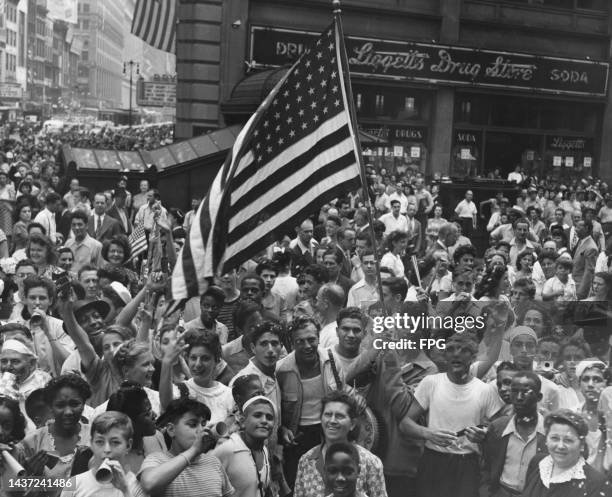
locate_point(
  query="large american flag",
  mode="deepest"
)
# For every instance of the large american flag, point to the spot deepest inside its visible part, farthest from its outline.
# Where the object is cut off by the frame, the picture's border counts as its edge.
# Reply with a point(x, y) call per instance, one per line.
point(154, 22)
point(296, 153)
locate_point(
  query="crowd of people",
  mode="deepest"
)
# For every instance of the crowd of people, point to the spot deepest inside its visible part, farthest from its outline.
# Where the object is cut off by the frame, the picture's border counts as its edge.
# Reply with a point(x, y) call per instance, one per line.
point(368, 352)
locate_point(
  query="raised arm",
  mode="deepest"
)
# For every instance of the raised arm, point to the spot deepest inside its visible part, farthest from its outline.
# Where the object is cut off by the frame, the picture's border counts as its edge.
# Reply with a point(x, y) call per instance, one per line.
point(78, 335)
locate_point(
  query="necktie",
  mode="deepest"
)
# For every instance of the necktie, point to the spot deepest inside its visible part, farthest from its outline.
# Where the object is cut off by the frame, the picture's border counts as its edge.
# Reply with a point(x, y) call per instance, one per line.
point(574, 240)
point(98, 223)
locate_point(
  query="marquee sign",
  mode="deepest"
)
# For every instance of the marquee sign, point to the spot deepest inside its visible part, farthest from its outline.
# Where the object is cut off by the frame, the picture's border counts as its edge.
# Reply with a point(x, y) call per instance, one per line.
point(440, 64)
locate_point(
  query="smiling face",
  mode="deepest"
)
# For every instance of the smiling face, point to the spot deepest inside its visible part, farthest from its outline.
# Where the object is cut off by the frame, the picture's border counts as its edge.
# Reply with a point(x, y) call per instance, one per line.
point(564, 445)
point(341, 473)
point(592, 383)
point(259, 420)
point(142, 371)
point(336, 422)
point(201, 363)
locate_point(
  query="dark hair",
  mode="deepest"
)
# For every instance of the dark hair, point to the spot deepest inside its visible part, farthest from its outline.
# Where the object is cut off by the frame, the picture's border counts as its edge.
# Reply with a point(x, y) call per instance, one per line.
point(568, 418)
point(318, 272)
point(177, 408)
point(13, 326)
point(19, 422)
point(64, 250)
point(241, 383)
point(34, 281)
point(79, 215)
point(506, 366)
point(267, 326)
point(119, 240)
point(395, 236)
point(335, 253)
point(216, 293)
point(524, 308)
point(208, 340)
point(87, 267)
point(523, 253)
point(266, 264)
point(527, 284)
point(26, 263)
point(530, 375)
point(130, 400)
point(242, 312)
point(350, 313)
point(300, 323)
point(398, 286)
point(256, 277)
point(45, 241)
point(489, 284)
point(462, 250)
point(579, 344)
point(607, 278)
point(67, 380)
point(114, 274)
point(52, 197)
point(343, 448)
point(108, 420)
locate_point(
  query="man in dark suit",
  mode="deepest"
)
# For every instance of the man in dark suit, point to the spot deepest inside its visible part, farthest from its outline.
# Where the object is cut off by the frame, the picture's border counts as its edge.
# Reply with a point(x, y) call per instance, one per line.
point(101, 226)
point(513, 441)
point(414, 229)
point(119, 212)
point(585, 256)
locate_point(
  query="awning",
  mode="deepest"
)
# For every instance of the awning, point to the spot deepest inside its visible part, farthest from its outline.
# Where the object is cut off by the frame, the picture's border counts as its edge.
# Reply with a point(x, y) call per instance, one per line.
point(251, 91)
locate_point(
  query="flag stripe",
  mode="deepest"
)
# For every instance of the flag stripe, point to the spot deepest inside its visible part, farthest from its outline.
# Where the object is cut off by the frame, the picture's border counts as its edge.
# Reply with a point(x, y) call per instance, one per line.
point(344, 180)
point(154, 22)
point(303, 146)
point(243, 223)
point(328, 147)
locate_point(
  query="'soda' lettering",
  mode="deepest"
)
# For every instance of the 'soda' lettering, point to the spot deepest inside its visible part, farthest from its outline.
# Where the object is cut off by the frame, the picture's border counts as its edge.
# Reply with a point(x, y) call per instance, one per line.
point(566, 76)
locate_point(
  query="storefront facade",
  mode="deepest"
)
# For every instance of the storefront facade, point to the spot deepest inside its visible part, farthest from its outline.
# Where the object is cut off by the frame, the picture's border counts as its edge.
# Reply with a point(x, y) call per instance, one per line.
point(457, 88)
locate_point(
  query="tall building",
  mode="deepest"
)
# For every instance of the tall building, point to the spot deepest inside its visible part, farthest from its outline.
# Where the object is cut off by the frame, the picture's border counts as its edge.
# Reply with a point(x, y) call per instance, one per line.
point(451, 87)
point(101, 31)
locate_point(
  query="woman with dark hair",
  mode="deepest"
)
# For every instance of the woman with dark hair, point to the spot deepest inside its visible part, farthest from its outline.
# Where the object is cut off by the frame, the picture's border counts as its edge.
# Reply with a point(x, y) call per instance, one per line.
point(116, 252)
point(41, 250)
point(13, 425)
point(202, 352)
point(494, 285)
point(339, 422)
point(535, 315)
point(22, 218)
point(564, 471)
point(132, 400)
point(50, 451)
point(397, 242)
point(524, 265)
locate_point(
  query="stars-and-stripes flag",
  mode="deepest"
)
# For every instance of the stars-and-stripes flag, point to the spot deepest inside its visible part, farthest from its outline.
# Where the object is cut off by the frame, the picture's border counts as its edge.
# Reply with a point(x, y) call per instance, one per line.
point(138, 242)
point(154, 22)
point(296, 153)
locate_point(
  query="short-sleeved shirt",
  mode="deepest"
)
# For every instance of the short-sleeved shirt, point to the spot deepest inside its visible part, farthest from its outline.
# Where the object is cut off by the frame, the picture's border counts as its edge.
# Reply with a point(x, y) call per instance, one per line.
point(456, 407)
point(86, 485)
point(204, 476)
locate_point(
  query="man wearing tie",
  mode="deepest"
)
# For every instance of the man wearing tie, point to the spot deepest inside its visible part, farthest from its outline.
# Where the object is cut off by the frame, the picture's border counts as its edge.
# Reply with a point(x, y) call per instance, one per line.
point(101, 226)
point(414, 228)
point(119, 212)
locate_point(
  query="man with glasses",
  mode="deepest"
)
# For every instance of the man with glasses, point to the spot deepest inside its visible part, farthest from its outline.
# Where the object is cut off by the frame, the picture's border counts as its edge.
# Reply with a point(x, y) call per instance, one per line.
point(210, 305)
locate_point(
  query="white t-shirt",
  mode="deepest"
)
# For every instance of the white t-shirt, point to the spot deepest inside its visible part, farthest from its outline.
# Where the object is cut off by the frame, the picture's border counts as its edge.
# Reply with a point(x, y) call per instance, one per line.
point(217, 398)
point(327, 336)
point(455, 407)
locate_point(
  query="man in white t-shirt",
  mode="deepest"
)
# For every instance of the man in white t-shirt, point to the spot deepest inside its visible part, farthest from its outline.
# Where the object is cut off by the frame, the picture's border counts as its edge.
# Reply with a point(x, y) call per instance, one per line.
point(466, 212)
point(394, 221)
point(457, 406)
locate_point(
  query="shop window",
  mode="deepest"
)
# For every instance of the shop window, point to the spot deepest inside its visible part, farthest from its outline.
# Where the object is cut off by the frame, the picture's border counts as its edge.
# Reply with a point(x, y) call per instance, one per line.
point(472, 110)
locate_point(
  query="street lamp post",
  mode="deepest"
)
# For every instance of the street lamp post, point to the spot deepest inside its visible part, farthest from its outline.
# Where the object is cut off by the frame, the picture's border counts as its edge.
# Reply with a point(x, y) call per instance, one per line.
point(131, 64)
